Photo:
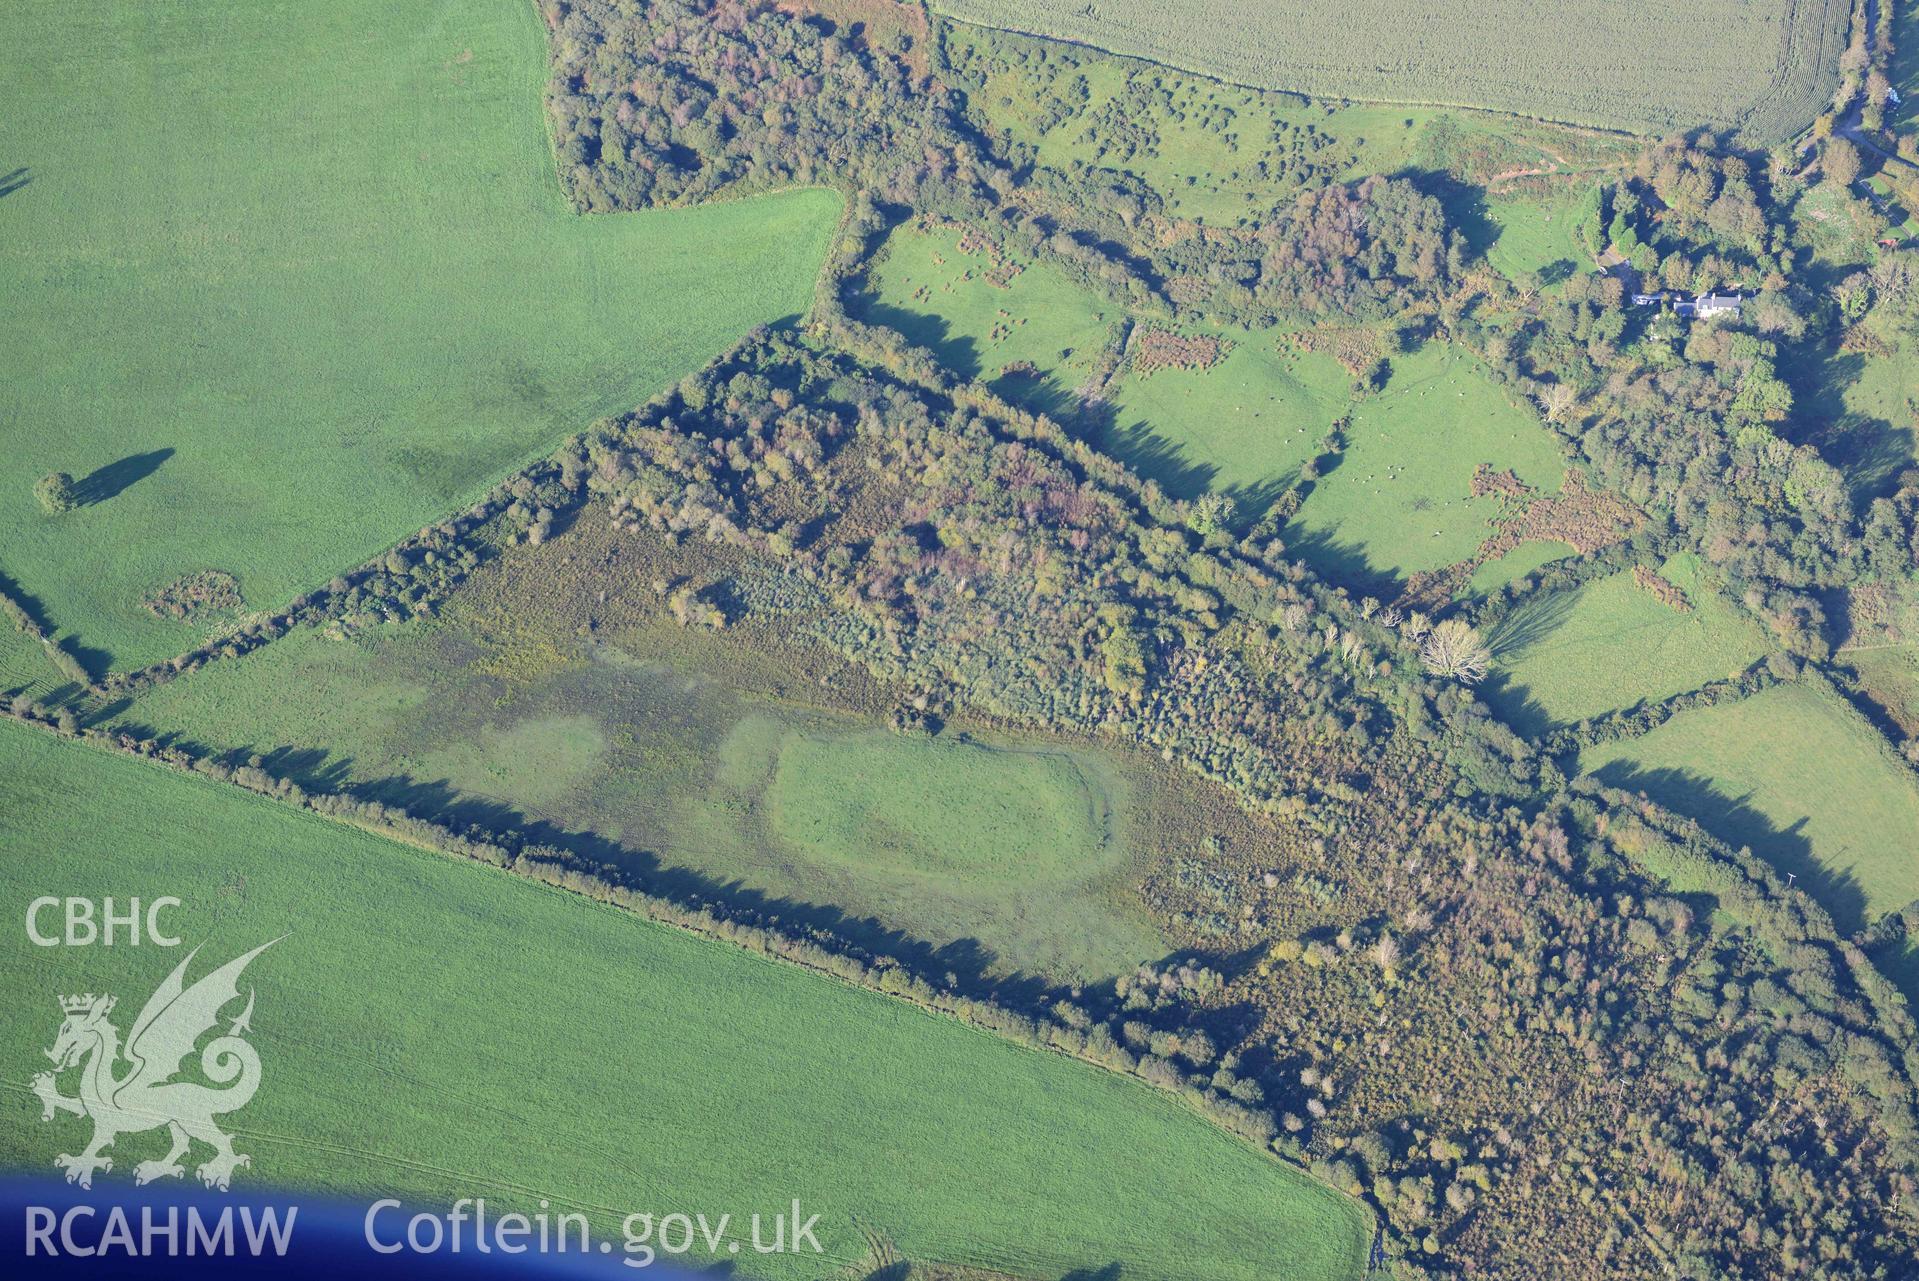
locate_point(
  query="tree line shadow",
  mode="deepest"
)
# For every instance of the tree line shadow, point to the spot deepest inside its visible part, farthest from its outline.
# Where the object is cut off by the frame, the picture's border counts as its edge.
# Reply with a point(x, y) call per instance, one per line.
point(1734, 820)
point(1341, 561)
point(1869, 451)
point(1533, 621)
point(966, 965)
point(94, 661)
point(1149, 454)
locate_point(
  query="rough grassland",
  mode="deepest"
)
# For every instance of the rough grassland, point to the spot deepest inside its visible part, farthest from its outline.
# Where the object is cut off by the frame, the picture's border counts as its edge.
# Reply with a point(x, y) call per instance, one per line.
point(1889, 675)
point(1400, 498)
point(1799, 777)
point(1905, 69)
point(1832, 226)
point(1568, 656)
point(408, 1051)
point(1219, 152)
point(1541, 233)
point(1636, 65)
point(288, 281)
point(675, 751)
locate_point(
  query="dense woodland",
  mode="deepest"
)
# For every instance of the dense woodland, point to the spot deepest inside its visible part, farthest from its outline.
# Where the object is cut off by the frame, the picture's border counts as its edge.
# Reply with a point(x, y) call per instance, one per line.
point(1443, 978)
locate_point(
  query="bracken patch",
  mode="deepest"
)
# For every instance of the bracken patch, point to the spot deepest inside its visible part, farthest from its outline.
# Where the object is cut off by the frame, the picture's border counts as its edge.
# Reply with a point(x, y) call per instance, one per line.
point(211, 591)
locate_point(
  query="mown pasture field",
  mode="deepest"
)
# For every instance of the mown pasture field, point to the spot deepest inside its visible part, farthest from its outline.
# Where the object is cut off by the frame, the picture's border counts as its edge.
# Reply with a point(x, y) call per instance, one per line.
point(1244, 426)
point(1400, 498)
point(1567, 656)
point(1800, 778)
point(938, 807)
point(1645, 68)
point(24, 666)
point(407, 1022)
point(726, 762)
point(284, 285)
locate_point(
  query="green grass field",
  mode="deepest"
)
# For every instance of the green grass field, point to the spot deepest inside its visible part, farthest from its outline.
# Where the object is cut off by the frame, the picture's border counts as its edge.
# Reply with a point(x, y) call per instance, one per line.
point(1568, 656)
point(937, 807)
point(1541, 233)
point(1861, 409)
point(1516, 564)
point(24, 665)
point(1028, 853)
point(1799, 777)
point(939, 296)
point(1890, 676)
point(1243, 426)
point(1400, 499)
point(409, 1051)
point(287, 282)
point(1643, 68)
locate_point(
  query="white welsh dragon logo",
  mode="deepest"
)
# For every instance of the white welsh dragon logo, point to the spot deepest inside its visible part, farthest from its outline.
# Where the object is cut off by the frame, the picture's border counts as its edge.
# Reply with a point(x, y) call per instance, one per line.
point(143, 1097)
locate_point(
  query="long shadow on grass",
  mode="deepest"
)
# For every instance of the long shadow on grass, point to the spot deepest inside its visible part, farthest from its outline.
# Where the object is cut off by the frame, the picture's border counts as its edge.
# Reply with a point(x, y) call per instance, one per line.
point(116, 478)
point(1870, 451)
point(1465, 205)
point(92, 661)
point(1734, 820)
point(1153, 457)
point(961, 355)
point(1559, 269)
point(1150, 455)
point(1111, 1272)
point(10, 183)
point(1516, 705)
point(1898, 960)
point(1528, 625)
point(1341, 562)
